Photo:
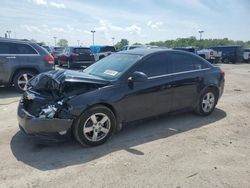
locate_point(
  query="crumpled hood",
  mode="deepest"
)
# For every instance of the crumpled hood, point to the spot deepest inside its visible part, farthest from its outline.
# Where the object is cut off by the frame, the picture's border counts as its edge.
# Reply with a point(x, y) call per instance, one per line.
point(57, 79)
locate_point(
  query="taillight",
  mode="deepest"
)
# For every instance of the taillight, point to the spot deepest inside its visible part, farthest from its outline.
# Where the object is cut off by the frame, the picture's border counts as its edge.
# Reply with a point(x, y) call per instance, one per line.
point(49, 59)
point(222, 73)
point(211, 53)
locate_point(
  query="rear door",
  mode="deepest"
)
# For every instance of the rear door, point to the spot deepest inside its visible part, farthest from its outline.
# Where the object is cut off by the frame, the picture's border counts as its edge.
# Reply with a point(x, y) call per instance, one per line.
point(82, 54)
point(9, 61)
point(27, 56)
point(153, 96)
point(187, 79)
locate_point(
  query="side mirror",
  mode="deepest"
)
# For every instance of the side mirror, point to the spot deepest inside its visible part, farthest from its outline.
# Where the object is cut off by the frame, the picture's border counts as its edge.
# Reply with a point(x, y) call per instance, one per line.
point(138, 77)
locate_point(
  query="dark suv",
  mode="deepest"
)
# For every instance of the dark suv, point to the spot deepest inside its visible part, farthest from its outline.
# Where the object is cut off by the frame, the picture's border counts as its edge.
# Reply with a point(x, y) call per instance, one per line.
point(75, 57)
point(20, 60)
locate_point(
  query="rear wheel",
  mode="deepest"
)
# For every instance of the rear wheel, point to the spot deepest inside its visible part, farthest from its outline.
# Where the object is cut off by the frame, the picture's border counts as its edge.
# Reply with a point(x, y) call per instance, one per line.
point(207, 102)
point(95, 126)
point(69, 65)
point(59, 63)
point(21, 79)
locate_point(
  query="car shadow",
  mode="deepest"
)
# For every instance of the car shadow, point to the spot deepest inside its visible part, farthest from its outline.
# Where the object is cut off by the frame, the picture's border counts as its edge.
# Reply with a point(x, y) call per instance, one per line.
point(55, 156)
point(9, 92)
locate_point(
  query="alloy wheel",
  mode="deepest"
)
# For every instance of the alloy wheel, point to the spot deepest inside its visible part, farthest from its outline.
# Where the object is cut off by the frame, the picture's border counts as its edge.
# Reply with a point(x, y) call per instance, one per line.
point(23, 80)
point(97, 127)
point(208, 102)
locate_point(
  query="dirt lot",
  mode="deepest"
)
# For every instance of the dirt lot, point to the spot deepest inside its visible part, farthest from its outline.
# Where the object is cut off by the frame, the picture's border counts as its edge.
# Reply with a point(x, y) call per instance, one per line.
point(182, 150)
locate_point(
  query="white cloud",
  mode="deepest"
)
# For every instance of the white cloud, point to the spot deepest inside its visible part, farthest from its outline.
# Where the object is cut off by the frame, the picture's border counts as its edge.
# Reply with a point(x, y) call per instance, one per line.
point(49, 3)
point(57, 5)
point(40, 2)
point(156, 25)
point(32, 28)
point(134, 29)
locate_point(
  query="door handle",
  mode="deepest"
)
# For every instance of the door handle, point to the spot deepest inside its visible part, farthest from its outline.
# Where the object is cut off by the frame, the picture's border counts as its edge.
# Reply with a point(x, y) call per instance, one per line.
point(168, 86)
point(199, 78)
point(11, 57)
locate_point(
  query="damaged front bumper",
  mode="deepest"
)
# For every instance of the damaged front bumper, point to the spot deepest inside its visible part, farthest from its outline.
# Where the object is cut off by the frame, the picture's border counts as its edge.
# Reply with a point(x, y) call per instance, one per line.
point(33, 125)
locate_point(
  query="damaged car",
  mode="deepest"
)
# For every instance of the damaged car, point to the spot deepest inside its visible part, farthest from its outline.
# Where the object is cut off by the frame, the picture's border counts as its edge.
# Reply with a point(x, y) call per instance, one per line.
point(93, 104)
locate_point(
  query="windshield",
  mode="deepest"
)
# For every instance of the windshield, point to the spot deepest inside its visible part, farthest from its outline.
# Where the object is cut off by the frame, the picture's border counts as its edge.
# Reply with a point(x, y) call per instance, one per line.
point(113, 66)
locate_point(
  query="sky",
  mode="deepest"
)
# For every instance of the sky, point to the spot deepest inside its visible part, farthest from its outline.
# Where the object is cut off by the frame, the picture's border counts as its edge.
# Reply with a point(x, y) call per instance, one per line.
point(138, 21)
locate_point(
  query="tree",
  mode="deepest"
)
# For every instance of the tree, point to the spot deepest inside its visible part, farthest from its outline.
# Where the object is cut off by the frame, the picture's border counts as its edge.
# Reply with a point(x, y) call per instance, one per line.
point(121, 44)
point(204, 43)
point(33, 40)
point(62, 43)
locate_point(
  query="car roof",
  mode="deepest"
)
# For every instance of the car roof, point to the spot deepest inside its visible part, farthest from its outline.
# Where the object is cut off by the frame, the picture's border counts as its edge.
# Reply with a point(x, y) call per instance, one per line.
point(79, 47)
point(144, 51)
point(23, 41)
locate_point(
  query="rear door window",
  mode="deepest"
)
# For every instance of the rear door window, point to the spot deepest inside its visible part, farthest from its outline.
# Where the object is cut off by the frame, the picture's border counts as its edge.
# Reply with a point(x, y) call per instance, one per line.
point(155, 65)
point(15, 48)
point(24, 49)
point(4, 48)
point(185, 62)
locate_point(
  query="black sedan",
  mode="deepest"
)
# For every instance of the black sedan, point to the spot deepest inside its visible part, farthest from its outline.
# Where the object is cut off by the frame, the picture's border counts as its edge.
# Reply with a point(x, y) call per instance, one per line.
point(122, 87)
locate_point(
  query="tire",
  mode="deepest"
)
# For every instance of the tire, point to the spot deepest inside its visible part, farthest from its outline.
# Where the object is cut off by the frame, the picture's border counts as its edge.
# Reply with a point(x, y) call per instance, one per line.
point(21, 79)
point(59, 63)
point(69, 65)
point(226, 61)
point(90, 130)
point(207, 102)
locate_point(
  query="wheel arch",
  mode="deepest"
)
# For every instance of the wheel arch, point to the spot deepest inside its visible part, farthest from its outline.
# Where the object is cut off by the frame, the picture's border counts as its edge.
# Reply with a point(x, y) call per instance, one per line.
point(110, 107)
point(22, 69)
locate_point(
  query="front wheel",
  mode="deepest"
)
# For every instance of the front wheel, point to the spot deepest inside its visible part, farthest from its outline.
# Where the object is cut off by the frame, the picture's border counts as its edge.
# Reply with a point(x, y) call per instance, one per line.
point(95, 126)
point(207, 102)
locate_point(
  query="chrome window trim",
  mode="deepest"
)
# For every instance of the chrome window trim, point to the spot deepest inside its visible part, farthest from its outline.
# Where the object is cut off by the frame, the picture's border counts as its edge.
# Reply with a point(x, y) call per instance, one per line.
point(177, 73)
point(37, 53)
point(19, 54)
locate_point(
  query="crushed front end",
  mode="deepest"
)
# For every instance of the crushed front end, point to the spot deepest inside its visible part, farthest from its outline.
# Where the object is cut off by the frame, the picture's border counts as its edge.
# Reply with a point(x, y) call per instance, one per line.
point(44, 109)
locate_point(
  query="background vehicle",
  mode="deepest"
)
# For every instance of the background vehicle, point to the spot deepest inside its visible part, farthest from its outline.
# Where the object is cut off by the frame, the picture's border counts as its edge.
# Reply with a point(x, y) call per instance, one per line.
point(76, 57)
point(49, 49)
point(131, 47)
point(57, 52)
point(102, 51)
point(122, 87)
point(210, 55)
point(230, 54)
point(20, 60)
point(246, 55)
point(187, 49)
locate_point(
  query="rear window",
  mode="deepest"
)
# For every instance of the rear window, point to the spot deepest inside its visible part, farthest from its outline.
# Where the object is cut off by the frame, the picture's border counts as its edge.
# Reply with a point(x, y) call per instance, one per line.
point(82, 50)
point(15, 48)
point(107, 49)
point(59, 49)
point(184, 62)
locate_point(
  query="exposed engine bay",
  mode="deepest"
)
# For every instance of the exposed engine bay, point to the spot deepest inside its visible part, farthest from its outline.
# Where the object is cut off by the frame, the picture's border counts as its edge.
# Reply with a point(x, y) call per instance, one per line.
point(48, 93)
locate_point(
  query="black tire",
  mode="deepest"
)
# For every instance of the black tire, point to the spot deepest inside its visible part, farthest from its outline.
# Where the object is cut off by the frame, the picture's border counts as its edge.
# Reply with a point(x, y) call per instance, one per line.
point(85, 120)
point(226, 61)
point(17, 77)
point(69, 65)
point(200, 108)
point(59, 63)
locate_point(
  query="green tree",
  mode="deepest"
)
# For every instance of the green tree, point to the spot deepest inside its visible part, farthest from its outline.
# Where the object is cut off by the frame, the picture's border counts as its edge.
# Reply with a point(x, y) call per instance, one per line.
point(121, 44)
point(33, 40)
point(62, 43)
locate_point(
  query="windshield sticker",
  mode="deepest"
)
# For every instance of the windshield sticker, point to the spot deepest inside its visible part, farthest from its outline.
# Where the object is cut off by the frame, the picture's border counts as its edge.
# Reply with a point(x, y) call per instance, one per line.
point(111, 72)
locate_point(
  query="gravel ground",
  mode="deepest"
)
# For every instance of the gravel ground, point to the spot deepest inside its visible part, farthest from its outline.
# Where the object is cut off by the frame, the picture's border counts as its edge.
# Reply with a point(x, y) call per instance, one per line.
point(181, 150)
